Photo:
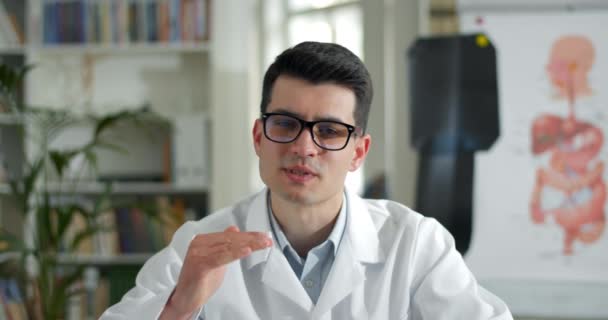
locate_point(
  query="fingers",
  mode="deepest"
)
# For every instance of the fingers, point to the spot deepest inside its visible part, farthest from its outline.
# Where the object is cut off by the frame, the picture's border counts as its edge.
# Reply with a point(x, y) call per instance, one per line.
point(227, 251)
point(232, 228)
point(257, 240)
point(234, 241)
point(220, 248)
point(223, 257)
point(252, 240)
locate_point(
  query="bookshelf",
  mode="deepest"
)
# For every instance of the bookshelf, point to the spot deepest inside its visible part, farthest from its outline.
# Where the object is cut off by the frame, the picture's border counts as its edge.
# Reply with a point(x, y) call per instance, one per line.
point(113, 49)
point(12, 50)
point(102, 56)
point(136, 259)
point(134, 48)
point(123, 21)
point(125, 188)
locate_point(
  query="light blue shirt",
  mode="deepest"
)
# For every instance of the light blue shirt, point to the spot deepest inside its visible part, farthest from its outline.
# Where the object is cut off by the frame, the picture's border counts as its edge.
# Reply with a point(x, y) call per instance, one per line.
point(313, 269)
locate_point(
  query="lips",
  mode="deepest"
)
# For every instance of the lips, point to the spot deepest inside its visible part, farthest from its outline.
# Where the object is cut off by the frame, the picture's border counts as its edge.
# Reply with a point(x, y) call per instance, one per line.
point(300, 174)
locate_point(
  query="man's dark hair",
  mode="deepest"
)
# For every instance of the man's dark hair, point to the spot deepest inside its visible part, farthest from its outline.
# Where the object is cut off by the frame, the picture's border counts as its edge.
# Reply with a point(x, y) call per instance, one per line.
point(318, 63)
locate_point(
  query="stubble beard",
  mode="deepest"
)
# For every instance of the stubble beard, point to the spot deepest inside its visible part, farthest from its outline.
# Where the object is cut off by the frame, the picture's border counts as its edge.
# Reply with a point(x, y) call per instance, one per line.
point(302, 195)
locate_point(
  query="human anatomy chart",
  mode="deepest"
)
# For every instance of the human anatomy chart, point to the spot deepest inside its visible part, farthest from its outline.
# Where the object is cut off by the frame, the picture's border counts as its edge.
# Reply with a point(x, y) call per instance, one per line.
point(540, 193)
point(570, 187)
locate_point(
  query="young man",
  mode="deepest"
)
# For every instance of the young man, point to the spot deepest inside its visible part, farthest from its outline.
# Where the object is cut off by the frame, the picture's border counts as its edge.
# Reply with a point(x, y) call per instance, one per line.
point(305, 248)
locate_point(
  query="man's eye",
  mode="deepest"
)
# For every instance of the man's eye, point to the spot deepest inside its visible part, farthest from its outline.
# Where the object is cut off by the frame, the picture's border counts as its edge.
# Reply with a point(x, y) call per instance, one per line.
point(328, 132)
point(286, 124)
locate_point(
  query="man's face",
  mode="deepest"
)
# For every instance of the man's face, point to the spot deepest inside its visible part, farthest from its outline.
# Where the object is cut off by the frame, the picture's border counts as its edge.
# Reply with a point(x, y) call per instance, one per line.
point(300, 171)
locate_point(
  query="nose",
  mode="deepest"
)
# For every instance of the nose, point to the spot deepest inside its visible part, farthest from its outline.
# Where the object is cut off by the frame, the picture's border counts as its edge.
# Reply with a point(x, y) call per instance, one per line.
point(304, 146)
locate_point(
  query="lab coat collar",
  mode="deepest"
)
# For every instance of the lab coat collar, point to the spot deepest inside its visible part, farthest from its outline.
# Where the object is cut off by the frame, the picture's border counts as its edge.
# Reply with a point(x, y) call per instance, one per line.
point(360, 244)
point(360, 228)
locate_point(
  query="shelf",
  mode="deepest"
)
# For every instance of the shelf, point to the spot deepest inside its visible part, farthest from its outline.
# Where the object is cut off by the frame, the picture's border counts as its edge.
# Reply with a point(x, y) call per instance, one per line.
point(12, 50)
point(126, 48)
point(6, 118)
point(123, 188)
point(97, 260)
point(7, 256)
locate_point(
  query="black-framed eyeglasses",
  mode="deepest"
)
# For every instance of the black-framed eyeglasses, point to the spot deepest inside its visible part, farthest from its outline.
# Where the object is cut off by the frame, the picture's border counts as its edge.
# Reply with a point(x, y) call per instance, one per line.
point(327, 134)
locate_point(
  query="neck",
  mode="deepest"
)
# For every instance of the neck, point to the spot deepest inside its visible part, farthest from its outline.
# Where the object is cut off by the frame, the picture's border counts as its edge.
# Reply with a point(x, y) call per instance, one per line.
point(306, 225)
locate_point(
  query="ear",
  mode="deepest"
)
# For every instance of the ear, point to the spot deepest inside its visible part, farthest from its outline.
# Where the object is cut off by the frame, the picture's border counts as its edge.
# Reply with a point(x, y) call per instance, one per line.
point(257, 135)
point(361, 149)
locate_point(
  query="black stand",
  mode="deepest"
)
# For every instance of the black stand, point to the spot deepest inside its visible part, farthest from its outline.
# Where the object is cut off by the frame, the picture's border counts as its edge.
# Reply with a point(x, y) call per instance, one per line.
point(445, 190)
point(454, 113)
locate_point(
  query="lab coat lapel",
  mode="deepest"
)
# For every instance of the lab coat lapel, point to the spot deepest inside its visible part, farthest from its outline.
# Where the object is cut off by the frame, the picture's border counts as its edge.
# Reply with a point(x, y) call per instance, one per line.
point(360, 244)
point(277, 273)
point(279, 276)
point(346, 274)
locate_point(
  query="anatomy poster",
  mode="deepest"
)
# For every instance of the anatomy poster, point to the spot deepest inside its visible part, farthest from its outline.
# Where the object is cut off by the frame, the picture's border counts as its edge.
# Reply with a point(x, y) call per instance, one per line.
point(540, 193)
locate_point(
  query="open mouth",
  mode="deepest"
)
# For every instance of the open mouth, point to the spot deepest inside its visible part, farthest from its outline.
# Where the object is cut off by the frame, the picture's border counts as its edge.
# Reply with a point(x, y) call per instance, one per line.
point(299, 172)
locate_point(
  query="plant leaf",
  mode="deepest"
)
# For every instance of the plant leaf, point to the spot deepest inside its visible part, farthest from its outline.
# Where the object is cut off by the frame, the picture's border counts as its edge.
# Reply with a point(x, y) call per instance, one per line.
point(104, 198)
point(31, 177)
point(62, 159)
point(43, 221)
point(83, 235)
point(111, 119)
point(91, 157)
point(64, 219)
point(61, 291)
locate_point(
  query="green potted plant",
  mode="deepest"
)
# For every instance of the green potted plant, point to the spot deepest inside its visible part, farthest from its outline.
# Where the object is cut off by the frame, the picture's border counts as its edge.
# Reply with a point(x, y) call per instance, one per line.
point(36, 254)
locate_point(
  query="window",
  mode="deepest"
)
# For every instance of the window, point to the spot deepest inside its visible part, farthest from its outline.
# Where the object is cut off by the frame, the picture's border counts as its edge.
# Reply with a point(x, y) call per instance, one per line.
point(336, 21)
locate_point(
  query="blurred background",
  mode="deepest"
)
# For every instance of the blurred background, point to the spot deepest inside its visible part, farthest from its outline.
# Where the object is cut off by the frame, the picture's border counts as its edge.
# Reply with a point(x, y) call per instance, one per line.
point(514, 89)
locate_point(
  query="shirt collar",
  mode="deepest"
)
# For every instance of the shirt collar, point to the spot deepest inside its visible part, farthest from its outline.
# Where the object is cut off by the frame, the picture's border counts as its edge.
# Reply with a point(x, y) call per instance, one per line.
point(334, 237)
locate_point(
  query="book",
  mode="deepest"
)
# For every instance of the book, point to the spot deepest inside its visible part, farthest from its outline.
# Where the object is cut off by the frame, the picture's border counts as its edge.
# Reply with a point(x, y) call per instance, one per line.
point(101, 297)
point(12, 300)
point(12, 15)
point(124, 223)
point(79, 224)
point(108, 239)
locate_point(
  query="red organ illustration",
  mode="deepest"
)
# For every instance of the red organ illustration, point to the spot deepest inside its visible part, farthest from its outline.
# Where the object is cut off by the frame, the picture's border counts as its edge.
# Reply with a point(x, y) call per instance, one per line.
point(570, 188)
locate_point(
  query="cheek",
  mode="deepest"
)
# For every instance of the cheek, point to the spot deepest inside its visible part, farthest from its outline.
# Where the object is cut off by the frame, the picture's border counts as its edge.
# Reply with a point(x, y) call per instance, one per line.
point(340, 164)
point(265, 166)
point(270, 156)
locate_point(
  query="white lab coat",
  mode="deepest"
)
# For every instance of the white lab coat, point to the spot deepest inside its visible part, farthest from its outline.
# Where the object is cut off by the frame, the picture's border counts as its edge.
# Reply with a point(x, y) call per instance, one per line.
point(392, 263)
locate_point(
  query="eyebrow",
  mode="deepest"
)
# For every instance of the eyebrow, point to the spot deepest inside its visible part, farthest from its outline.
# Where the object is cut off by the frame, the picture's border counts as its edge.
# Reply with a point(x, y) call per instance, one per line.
point(293, 114)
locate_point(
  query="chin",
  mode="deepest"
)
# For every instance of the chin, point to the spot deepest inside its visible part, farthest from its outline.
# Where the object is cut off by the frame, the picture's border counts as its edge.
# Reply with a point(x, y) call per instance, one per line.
point(303, 197)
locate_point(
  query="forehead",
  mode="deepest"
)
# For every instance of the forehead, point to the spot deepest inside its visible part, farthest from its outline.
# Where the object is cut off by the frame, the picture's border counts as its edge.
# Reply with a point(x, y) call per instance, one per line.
point(312, 101)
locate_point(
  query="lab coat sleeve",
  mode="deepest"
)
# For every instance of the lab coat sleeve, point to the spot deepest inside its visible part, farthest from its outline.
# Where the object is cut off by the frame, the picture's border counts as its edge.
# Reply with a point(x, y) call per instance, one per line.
point(444, 287)
point(155, 282)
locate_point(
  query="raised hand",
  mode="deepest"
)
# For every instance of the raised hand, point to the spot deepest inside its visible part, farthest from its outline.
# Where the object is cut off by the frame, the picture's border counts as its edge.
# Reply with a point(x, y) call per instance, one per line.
point(205, 265)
